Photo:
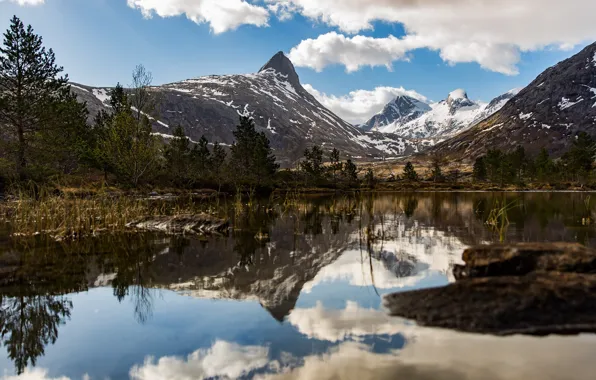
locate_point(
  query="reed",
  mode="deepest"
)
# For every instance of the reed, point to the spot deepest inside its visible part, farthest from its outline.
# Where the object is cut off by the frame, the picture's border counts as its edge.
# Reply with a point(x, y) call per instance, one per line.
point(69, 217)
point(498, 220)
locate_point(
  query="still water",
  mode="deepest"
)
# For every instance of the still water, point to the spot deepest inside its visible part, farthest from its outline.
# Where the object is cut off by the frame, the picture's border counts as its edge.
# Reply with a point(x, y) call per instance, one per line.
point(293, 292)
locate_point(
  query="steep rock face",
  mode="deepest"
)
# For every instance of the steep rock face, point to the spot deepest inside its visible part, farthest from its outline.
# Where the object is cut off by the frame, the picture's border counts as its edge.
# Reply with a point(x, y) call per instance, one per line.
point(550, 112)
point(290, 116)
point(400, 110)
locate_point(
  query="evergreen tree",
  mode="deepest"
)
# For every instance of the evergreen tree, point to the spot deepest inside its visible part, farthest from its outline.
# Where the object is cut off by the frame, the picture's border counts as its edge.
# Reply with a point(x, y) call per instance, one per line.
point(479, 172)
point(313, 163)
point(252, 161)
point(437, 163)
point(580, 157)
point(543, 165)
point(410, 173)
point(38, 113)
point(218, 159)
point(335, 166)
point(177, 155)
point(350, 173)
point(201, 161)
point(493, 161)
point(519, 163)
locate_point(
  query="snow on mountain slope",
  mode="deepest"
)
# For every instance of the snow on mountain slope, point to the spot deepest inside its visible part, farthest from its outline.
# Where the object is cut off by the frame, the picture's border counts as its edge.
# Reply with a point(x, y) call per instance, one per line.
point(290, 116)
point(401, 110)
point(439, 121)
point(445, 118)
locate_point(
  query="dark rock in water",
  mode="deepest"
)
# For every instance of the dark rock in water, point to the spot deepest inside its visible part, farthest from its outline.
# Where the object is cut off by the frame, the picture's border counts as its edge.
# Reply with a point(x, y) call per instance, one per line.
point(199, 224)
point(521, 259)
point(528, 288)
point(535, 304)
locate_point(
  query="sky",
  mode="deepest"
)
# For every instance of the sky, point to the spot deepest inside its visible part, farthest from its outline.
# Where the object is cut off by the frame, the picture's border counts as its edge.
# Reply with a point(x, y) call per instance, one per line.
point(353, 55)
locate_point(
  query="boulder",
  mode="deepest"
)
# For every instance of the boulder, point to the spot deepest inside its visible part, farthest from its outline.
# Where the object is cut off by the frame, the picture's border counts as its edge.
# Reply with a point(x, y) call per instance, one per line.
point(528, 288)
point(198, 224)
point(524, 258)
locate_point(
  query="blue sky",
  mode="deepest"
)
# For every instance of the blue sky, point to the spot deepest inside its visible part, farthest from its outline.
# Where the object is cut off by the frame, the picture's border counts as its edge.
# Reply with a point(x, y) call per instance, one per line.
point(99, 42)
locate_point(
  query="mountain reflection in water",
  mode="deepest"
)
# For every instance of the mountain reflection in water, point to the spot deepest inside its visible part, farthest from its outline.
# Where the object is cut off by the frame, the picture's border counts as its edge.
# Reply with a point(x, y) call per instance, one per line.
point(304, 302)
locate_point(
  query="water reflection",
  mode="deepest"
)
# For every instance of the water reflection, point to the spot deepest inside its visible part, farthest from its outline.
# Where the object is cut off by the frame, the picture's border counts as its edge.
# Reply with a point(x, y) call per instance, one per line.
point(316, 269)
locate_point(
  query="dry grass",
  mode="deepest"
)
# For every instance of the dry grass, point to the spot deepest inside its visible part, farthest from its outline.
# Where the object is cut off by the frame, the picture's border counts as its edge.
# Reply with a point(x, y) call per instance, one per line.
point(66, 216)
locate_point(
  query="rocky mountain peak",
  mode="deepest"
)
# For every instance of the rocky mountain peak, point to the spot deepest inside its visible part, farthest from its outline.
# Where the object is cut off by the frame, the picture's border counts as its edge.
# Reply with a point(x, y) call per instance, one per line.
point(282, 64)
point(458, 99)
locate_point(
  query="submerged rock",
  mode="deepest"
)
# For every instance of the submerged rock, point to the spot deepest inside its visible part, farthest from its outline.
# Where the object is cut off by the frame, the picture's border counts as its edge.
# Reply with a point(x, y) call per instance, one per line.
point(199, 224)
point(534, 289)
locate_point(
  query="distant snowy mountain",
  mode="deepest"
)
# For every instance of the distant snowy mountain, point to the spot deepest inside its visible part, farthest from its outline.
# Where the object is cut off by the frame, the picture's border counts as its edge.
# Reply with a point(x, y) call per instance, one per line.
point(444, 119)
point(549, 113)
point(414, 120)
point(292, 118)
point(401, 110)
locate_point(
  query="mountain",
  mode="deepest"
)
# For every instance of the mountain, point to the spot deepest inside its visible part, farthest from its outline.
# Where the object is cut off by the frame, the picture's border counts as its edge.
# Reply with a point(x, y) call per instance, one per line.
point(495, 105)
point(549, 113)
point(400, 110)
point(292, 118)
point(445, 118)
point(412, 119)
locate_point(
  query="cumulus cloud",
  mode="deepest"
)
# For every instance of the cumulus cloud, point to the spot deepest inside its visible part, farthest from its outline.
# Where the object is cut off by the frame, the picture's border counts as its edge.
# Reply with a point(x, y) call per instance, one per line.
point(353, 322)
point(491, 33)
point(352, 52)
point(445, 355)
point(360, 105)
point(26, 2)
point(223, 360)
point(220, 15)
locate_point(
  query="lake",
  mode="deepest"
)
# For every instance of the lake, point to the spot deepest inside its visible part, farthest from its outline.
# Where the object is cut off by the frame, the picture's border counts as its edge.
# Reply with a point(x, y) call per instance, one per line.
point(293, 292)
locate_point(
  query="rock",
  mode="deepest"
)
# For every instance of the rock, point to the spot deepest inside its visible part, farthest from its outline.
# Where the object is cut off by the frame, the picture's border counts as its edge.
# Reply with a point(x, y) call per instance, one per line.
point(199, 224)
point(523, 258)
point(535, 304)
point(528, 288)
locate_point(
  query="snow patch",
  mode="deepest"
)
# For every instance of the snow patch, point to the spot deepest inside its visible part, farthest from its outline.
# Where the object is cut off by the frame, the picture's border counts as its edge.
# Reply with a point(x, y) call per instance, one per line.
point(101, 94)
point(567, 103)
point(525, 116)
point(78, 87)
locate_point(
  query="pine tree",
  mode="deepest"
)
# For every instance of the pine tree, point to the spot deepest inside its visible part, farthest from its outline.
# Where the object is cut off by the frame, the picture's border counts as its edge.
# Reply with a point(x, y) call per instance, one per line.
point(370, 179)
point(177, 155)
point(313, 163)
point(410, 173)
point(580, 157)
point(335, 166)
point(201, 160)
point(218, 160)
point(350, 173)
point(252, 161)
point(479, 172)
point(37, 108)
point(437, 163)
point(543, 165)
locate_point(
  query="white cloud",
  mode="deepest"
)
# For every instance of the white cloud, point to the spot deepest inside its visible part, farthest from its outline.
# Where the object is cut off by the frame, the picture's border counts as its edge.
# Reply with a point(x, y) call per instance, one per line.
point(360, 105)
point(223, 360)
point(220, 15)
point(26, 2)
point(352, 52)
point(447, 355)
point(38, 374)
point(352, 322)
point(491, 33)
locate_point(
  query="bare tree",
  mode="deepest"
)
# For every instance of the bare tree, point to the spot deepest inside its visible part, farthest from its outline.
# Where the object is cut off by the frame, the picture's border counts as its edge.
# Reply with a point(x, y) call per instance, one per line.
point(140, 98)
